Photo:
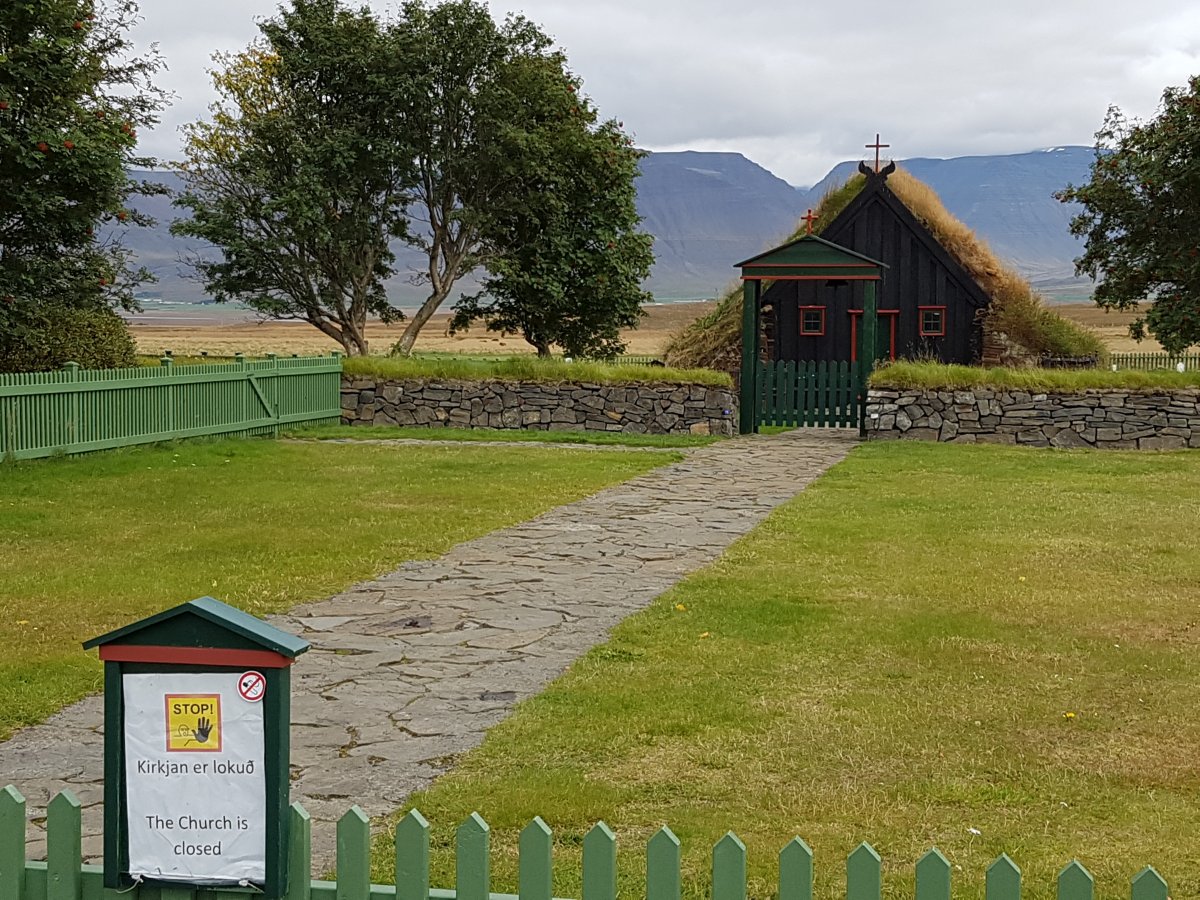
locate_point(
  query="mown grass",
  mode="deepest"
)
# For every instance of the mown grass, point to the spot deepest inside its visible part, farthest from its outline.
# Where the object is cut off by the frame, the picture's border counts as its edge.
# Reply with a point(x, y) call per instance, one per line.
point(938, 376)
point(985, 649)
point(504, 435)
point(91, 543)
point(526, 368)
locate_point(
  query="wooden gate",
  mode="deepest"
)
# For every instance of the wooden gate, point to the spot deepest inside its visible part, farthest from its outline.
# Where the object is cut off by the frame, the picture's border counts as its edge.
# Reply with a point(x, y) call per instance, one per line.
point(824, 394)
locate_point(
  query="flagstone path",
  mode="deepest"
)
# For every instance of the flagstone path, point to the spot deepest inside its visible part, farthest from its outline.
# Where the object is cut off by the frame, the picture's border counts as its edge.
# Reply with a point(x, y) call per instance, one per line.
point(408, 671)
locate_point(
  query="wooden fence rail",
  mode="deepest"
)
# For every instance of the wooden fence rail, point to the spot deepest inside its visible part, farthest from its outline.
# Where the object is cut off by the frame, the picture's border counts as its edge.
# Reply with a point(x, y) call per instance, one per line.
point(63, 876)
point(1151, 361)
point(79, 410)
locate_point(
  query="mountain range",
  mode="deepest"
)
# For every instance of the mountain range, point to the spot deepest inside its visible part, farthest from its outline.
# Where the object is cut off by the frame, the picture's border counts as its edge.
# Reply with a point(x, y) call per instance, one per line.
point(707, 211)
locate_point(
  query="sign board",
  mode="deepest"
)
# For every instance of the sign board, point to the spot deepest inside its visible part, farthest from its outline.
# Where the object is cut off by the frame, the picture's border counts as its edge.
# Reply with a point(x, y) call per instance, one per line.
point(195, 778)
point(197, 703)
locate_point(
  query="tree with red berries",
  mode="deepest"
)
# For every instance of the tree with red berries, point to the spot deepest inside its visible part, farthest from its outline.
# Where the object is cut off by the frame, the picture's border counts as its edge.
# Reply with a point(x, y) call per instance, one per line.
point(72, 98)
point(1139, 218)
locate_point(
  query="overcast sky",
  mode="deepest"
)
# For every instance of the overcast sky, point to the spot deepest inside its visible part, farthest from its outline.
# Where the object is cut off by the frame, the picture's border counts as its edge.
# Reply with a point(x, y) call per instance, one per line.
point(798, 85)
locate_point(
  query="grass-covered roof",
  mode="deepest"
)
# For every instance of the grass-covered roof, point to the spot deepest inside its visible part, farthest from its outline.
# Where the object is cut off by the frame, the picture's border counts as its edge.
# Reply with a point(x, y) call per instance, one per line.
point(714, 340)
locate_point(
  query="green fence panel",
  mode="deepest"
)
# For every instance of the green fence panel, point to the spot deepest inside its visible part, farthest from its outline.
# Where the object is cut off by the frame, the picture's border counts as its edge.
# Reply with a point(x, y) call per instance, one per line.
point(1003, 879)
point(81, 410)
point(64, 857)
point(472, 864)
point(600, 864)
point(12, 842)
point(933, 876)
point(536, 876)
point(1148, 885)
point(796, 871)
point(864, 878)
point(63, 876)
point(299, 855)
point(729, 869)
point(822, 393)
point(353, 856)
point(412, 857)
point(663, 858)
point(789, 393)
point(1075, 882)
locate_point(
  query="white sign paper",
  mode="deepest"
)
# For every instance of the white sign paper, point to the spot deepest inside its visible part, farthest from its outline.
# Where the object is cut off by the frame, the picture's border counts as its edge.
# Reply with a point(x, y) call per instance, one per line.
point(196, 789)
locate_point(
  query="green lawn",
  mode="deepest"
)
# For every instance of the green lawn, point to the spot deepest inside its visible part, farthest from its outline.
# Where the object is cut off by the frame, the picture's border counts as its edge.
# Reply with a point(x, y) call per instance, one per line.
point(507, 435)
point(94, 542)
point(985, 649)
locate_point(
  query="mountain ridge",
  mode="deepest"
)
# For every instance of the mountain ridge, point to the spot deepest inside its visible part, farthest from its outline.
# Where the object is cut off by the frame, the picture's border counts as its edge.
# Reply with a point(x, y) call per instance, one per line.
point(708, 210)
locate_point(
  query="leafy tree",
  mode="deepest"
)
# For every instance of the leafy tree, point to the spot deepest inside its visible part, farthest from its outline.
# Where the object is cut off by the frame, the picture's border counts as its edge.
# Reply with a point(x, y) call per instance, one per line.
point(1139, 217)
point(458, 57)
point(72, 98)
point(565, 266)
point(300, 178)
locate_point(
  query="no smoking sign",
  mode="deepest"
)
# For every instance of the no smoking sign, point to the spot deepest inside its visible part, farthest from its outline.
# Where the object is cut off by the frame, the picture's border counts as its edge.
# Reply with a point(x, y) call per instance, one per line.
point(252, 686)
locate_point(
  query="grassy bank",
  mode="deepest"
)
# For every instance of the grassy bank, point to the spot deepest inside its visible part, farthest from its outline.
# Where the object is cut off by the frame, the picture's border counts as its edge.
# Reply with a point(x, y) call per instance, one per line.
point(91, 543)
point(985, 649)
point(526, 368)
point(937, 376)
point(504, 435)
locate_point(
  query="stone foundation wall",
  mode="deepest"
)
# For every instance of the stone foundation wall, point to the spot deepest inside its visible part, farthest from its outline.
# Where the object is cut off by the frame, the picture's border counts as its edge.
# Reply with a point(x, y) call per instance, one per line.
point(1115, 420)
point(634, 408)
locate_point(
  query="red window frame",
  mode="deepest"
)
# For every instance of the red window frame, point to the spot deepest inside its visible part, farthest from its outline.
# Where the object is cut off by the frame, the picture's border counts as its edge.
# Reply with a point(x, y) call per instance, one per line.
point(921, 310)
point(893, 316)
point(805, 332)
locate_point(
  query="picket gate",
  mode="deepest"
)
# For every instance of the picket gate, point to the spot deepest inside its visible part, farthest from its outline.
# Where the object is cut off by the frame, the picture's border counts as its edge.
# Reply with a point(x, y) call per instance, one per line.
point(63, 876)
point(79, 410)
point(808, 393)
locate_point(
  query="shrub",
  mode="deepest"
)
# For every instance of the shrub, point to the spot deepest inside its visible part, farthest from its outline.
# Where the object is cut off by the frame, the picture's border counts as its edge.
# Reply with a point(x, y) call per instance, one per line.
point(94, 338)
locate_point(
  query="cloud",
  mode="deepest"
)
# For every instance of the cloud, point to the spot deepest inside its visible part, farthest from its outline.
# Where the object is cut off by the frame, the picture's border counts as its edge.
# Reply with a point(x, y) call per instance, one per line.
point(798, 86)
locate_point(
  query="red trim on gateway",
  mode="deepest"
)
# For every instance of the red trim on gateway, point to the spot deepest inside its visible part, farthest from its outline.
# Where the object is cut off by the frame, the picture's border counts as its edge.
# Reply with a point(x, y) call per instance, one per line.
point(194, 656)
point(810, 278)
point(811, 265)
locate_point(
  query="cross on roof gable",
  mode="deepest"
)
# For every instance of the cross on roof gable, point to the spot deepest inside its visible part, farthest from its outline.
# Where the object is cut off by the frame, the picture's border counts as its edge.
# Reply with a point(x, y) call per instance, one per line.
point(876, 190)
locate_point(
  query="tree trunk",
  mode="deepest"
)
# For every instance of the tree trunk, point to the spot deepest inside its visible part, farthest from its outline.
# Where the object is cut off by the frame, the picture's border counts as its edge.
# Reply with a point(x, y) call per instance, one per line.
point(403, 347)
point(543, 350)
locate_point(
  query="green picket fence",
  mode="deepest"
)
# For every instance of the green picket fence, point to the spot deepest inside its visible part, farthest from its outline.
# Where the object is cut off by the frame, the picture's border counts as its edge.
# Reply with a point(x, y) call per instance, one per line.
point(1152, 361)
point(63, 876)
point(80, 410)
point(824, 394)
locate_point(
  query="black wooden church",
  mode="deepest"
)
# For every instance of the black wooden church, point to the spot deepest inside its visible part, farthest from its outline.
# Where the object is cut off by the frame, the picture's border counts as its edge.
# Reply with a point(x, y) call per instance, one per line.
point(928, 305)
point(819, 312)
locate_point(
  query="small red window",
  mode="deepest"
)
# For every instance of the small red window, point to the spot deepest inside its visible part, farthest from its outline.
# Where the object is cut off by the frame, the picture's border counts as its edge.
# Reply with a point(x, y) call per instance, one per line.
point(812, 320)
point(933, 321)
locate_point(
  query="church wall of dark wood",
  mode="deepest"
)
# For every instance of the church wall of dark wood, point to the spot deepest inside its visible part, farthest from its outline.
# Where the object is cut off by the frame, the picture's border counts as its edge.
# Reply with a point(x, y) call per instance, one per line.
point(917, 282)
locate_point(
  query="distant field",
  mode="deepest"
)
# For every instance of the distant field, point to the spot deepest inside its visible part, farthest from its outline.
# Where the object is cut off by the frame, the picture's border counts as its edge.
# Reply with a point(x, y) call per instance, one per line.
point(222, 334)
point(1113, 327)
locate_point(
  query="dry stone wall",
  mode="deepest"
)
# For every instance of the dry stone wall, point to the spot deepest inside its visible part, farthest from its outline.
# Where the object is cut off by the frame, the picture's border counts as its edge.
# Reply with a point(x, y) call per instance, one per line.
point(633, 408)
point(1115, 420)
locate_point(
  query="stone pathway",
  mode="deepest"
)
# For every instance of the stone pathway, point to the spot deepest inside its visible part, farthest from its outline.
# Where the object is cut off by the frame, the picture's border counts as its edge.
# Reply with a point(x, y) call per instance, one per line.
point(408, 671)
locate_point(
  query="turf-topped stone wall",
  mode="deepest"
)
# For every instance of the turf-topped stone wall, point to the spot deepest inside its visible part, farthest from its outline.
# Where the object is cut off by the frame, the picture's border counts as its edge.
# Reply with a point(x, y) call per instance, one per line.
point(634, 408)
point(1105, 419)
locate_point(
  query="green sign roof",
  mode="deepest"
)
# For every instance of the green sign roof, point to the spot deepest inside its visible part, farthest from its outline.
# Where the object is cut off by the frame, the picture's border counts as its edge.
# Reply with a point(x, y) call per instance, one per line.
point(215, 620)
